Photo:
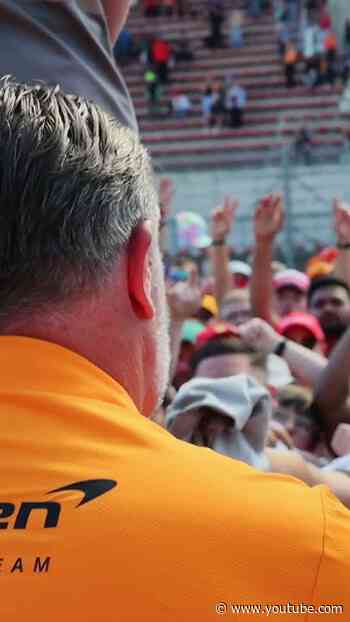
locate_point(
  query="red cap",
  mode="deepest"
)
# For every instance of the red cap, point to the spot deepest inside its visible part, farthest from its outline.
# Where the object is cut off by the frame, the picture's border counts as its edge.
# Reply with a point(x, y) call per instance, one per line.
point(329, 254)
point(215, 330)
point(303, 320)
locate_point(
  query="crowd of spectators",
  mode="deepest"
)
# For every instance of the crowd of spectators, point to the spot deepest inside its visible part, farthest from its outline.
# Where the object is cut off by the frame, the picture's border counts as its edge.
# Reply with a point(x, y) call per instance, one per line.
point(222, 101)
point(282, 332)
point(309, 46)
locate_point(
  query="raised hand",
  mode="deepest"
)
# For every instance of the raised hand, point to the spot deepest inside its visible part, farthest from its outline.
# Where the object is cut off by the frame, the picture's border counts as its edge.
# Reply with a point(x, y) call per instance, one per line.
point(268, 218)
point(341, 212)
point(259, 335)
point(222, 219)
point(184, 298)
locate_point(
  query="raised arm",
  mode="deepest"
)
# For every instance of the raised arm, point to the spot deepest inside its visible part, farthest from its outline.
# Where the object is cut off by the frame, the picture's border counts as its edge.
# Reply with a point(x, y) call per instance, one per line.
point(306, 365)
point(331, 395)
point(342, 230)
point(268, 222)
point(116, 12)
point(184, 301)
point(222, 223)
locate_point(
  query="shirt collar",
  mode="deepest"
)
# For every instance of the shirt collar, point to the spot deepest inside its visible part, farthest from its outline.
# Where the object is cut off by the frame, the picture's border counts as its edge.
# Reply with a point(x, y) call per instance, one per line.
point(33, 365)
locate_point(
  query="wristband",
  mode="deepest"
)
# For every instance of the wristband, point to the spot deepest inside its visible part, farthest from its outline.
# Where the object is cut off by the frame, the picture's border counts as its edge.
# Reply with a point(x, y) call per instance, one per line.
point(221, 242)
point(280, 348)
point(343, 246)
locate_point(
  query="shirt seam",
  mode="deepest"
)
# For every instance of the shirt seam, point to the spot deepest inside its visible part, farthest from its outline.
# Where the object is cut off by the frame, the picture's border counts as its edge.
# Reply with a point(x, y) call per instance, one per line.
point(318, 571)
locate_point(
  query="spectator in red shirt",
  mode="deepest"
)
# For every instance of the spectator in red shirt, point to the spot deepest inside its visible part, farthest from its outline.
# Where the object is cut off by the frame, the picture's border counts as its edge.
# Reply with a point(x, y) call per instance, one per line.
point(325, 19)
point(161, 53)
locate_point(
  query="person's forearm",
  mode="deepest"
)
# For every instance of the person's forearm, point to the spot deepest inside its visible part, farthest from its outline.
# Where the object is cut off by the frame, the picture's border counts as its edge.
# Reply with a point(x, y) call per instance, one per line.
point(289, 463)
point(292, 463)
point(116, 12)
point(305, 365)
point(261, 286)
point(342, 266)
point(220, 258)
point(338, 483)
point(332, 388)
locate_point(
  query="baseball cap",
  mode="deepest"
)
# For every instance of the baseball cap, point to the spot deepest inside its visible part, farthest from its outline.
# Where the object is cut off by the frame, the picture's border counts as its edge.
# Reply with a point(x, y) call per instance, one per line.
point(329, 254)
point(215, 330)
point(322, 264)
point(190, 330)
point(240, 267)
point(317, 268)
point(292, 278)
point(209, 304)
point(303, 320)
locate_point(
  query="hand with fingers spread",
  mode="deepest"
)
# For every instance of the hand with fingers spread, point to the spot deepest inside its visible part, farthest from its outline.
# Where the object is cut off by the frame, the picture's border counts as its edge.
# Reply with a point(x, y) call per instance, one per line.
point(184, 298)
point(222, 219)
point(269, 217)
point(341, 212)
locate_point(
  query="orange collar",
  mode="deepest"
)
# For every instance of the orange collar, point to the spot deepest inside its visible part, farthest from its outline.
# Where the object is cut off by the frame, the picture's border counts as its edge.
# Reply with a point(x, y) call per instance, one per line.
point(36, 366)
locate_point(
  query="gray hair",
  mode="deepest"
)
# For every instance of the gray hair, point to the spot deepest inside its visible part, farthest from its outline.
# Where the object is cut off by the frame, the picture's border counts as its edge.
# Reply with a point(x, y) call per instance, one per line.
point(73, 186)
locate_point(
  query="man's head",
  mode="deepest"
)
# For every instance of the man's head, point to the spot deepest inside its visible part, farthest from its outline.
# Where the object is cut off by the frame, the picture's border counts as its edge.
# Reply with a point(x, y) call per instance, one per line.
point(292, 411)
point(228, 356)
point(291, 289)
point(329, 301)
point(80, 264)
point(241, 274)
point(229, 415)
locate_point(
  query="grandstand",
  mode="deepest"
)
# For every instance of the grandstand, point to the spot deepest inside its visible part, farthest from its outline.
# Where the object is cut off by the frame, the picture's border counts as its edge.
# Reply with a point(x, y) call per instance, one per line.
point(273, 115)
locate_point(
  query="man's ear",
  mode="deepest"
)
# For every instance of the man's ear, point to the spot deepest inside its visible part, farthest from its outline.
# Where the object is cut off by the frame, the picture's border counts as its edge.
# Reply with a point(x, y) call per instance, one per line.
point(139, 264)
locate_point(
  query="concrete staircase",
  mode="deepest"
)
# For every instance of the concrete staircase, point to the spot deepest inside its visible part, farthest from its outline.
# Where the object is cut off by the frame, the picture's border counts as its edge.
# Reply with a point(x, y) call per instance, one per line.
point(273, 115)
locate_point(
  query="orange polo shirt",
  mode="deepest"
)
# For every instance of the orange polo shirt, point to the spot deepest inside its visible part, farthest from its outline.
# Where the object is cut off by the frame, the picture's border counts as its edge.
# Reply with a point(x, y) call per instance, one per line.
point(104, 516)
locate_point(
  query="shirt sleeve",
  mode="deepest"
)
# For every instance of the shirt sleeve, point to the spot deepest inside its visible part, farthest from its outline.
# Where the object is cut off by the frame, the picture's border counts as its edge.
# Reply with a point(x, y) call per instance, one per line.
point(332, 580)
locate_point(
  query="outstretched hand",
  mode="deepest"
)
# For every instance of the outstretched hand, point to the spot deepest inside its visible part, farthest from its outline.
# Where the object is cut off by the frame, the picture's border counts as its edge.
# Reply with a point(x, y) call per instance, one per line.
point(222, 219)
point(341, 212)
point(184, 298)
point(268, 218)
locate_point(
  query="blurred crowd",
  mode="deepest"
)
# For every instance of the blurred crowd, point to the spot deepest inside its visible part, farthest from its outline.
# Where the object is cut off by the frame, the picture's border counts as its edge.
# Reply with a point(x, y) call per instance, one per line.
point(310, 52)
point(260, 349)
point(309, 46)
point(223, 100)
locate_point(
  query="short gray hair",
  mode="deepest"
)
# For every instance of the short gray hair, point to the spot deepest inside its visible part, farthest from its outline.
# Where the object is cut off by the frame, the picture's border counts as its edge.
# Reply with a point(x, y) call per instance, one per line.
point(73, 186)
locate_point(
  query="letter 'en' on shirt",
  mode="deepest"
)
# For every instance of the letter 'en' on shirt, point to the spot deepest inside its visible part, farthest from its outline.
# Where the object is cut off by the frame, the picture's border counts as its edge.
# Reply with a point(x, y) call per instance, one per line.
point(64, 42)
point(105, 516)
